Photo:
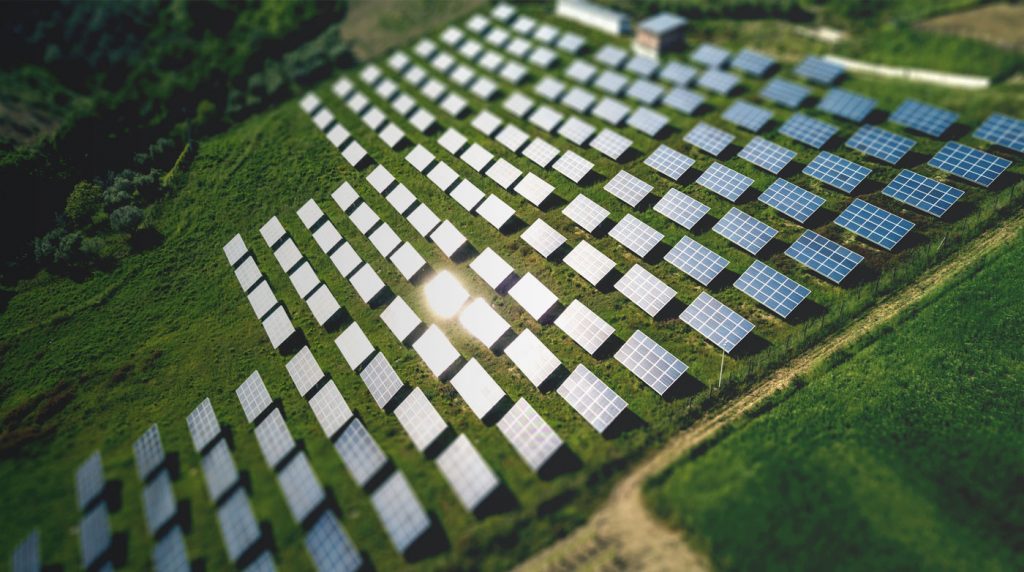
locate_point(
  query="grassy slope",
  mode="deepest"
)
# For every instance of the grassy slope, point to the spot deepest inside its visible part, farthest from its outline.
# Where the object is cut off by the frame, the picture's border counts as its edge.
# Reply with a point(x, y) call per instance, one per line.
point(900, 454)
point(176, 315)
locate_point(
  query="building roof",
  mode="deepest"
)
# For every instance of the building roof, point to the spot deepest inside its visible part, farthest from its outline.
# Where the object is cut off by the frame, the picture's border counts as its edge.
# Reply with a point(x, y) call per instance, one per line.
point(662, 23)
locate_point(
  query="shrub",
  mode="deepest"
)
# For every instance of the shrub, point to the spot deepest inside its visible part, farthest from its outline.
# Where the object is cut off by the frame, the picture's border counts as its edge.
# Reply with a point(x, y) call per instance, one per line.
point(126, 219)
point(84, 201)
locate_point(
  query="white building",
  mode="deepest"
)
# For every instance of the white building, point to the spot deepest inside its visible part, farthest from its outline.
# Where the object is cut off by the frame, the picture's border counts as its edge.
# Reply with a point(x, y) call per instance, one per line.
point(593, 16)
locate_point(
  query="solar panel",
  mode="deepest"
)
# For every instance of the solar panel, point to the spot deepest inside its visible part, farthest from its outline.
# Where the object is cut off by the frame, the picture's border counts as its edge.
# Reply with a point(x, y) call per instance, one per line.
point(922, 193)
point(524, 25)
point(646, 121)
point(518, 104)
point(969, 163)
point(158, 503)
point(880, 144)
point(367, 284)
point(546, 118)
point(708, 138)
point(149, 452)
point(544, 239)
point(724, 182)
point(585, 212)
point(650, 362)
point(831, 260)
point(923, 118)
point(272, 232)
point(448, 238)
point(627, 188)
point(235, 249)
point(791, 200)
point(836, 171)
point(747, 115)
point(219, 471)
point(677, 73)
point(343, 87)
point(846, 105)
point(404, 104)
point(253, 396)
point(443, 176)
point(425, 48)
point(238, 527)
point(717, 81)
point(478, 24)
point(545, 34)
point(477, 157)
point(819, 71)
point(611, 56)
point(574, 167)
point(576, 130)
point(408, 261)
point(611, 144)
point(584, 326)
point(580, 72)
point(550, 88)
point(646, 92)
point(669, 162)
point(303, 492)
point(770, 156)
point(453, 104)
point(589, 262)
point(533, 296)
point(436, 351)
point(636, 235)
point(422, 120)
point(543, 57)
point(483, 322)
point(288, 255)
point(401, 199)
point(345, 196)
point(597, 403)
point(400, 512)
point(203, 426)
point(874, 223)
point(534, 189)
point(744, 231)
point(94, 535)
point(476, 387)
point(1002, 130)
point(495, 211)
point(491, 61)
point(338, 135)
point(468, 474)
point(571, 43)
point(420, 420)
point(610, 110)
point(89, 480)
point(374, 118)
point(361, 455)
point(610, 82)
point(471, 49)
point(645, 290)
point(330, 546)
point(681, 208)
point(486, 123)
point(773, 289)
point(346, 260)
point(642, 65)
point(330, 409)
point(497, 37)
point(381, 380)
point(323, 305)
point(696, 260)
point(415, 75)
point(398, 61)
point(491, 268)
point(357, 103)
point(683, 100)
point(323, 119)
point(26, 556)
point(304, 280)
point(532, 357)
point(807, 130)
point(532, 438)
point(710, 55)
point(512, 137)
point(484, 88)
point(278, 327)
point(310, 102)
point(718, 323)
point(753, 62)
point(452, 36)
point(354, 346)
point(275, 441)
point(540, 152)
point(248, 274)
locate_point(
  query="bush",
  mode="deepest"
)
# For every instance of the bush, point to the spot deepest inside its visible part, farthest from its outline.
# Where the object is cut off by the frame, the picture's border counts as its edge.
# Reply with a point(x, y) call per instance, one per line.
point(69, 249)
point(45, 246)
point(84, 201)
point(126, 219)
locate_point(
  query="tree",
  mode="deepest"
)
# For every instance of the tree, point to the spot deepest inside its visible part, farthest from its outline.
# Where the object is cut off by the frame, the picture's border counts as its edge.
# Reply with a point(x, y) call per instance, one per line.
point(126, 219)
point(84, 201)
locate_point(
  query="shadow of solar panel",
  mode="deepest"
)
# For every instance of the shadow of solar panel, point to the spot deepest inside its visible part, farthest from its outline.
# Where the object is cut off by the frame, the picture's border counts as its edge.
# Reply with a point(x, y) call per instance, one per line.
point(709, 139)
point(923, 193)
point(627, 188)
point(819, 71)
point(831, 260)
point(644, 91)
point(683, 100)
point(589, 262)
point(753, 63)
point(923, 118)
point(1002, 130)
point(669, 162)
point(533, 439)
point(880, 144)
point(468, 474)
point(718, 81)
point(724, 182)
point(807, 130)
point(681, 208)
point(874, 223)
point(647, 121)
point(744, 230)
point(677, 73)
point(969, 163)
point(791, 200)
point(585, 212)
point(710, 55)
point(846, 104)
point(330, 547)
point(635, 235)
point(610, 110)
point(645, 290)
point(584, 326)
point(400, 512)
point(597, 403)
point(650, 362)
point(611, 144)
point(770, 156)
point(747, 116)
point(773, 289)
point(611, 56)
point(836, 172)
point(718, 323)
point(696, 260)
point(359, 452)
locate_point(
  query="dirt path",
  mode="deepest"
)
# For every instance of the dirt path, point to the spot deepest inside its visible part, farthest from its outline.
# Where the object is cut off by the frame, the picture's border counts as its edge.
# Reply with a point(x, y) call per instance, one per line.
point(622, 534)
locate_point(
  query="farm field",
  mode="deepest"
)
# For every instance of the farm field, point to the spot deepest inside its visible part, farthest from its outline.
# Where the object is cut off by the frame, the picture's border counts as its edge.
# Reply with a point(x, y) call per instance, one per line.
point(90, 363)
point(893, 450)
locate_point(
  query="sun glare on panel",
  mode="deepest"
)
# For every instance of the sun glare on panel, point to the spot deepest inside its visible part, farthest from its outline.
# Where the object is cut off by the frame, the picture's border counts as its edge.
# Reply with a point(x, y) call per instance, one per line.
point(445, 295)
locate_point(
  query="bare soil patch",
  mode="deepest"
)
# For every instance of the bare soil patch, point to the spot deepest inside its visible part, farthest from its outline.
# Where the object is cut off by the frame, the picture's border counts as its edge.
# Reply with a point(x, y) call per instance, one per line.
point(374, 27)
point(998, 24)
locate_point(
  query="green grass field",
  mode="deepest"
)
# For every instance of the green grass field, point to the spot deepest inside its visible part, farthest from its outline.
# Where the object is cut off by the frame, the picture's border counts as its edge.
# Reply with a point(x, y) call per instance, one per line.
point(91, 364)
point(903, 452)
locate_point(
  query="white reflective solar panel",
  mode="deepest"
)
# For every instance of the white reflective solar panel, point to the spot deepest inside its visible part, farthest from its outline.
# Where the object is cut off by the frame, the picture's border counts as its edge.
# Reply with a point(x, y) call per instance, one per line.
point(717, 81)
point(518, 104)
point(532, 357)
point(584, 326)
point(148, 451)
point(681, 208)
point(597, 403)
point(345, 196)
point(747, 116)
point(422, 120)
point(807, 130)
point(436, 351)
point(346, 260)
point(645, 290)
point(576, 131)
point(1002, 130)
point(922, 193)
point(467, 195)
point(453, 104)
point(923, 118)
point(647, 121)
point(354, 153)
point(628, 188)
point(571, 43)
point(419, 419)
point(408, 261)
point(724, 182)
point(503, 173)
point(491, 268)
point(610, 82)
point(545, 34)
point(611, 144)
point(540, 152)
point(380, 380)
point(677, 73)
point(477, 388)
point(238, 527)
point(534, 189)
point(253, 396)
point(364, 218)
point(385, 239)
point(273, 231)
point(398, 61)
point(546, 118)
point(770, 156)
point(718, 323)
point(581, 72)
point(497, 37)
point(544, 239)
point(491, 61)
point(486, 123)
point(611, 111)
point(469, 475)
point(543, 57)
point(791, 200)
point(170, 553)
point(343, 87)
point(532, 438)
point(753, 62)
point(367, 283)
point(478, 24)
point(585, 212)
point(330, 546)
point(354, 346)
point(512, 137)
point(274, 439)
point(400, 511)
point(550, 88)
point(710, 55)
point(642, 65)
point(477, 157)
point(778, 292)
point(611, 56)
point(669, 162)
point(360, 454)
point(744, 230)
point(302, 490)
point(327, 237)
point(404, 104)
point(452, 141)
point(708, 138)
point(278, 327)
point(483, 322)
point(89, 480)
point(471, 50)
point(202, 424)
point(235, 249)
point(683, 100)
point(219, 471)
point(533, 296)
point(653, 364)
point(26, 556)
point(401, 199)
point(323, 119)
point(484, 88)
point(323, 304)
point(288, 255)
point(495, 211)
point(589, 262)
point(310, 102)
point(304, 370)
point(158, 503)
point(635, 235)
point(574, 167)
point(304, 280)
point(512, 72)
point(400, 319)
point(646, 92)
point(785, 93)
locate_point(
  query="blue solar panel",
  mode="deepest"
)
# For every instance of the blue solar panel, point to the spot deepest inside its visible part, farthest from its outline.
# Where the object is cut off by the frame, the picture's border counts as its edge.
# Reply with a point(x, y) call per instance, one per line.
point(718, 323)
point(669, 162)
point(718, 81)
point(744, 231)
point(837, 172)
point(807, 130)
point(1002, 130)
point(771, 157)
point(778, 292)
point(874, 223)
point(710, 55)
point(681, 208)
point(753, 63)
point(709, 138)
point(846, 104)
point(969, 163)
point(831, 260)
point(785, 93)
point(819, 71)
point(924, 118)
point(724, 182)
point(683, 100)
point(922, 193)
point(880, 144)
point(677, 73)
point(696, 260)
point(791, 200)
point(747, 115)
